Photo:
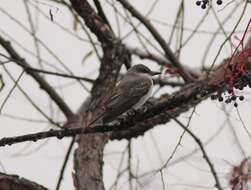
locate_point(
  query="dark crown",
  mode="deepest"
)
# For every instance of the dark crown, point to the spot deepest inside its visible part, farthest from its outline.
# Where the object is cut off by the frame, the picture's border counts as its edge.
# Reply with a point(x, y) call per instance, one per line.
point(140, 69)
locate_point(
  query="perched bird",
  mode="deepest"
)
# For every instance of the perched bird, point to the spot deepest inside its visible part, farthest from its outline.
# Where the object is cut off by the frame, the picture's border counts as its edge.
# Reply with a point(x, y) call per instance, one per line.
point(131, 92)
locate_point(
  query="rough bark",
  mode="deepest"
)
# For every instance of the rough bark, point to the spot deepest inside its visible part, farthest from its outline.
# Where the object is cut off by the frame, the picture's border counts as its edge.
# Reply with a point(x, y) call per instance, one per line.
point(14, 182)
point(88, 157)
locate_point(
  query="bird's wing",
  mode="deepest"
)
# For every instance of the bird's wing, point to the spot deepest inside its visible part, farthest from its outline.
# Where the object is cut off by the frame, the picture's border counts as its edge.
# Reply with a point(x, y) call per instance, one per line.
point(128, 93)
point(141, 88)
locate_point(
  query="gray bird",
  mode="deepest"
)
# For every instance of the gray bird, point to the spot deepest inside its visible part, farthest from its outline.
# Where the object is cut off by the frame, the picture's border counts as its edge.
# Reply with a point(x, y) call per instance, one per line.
point(131, 92)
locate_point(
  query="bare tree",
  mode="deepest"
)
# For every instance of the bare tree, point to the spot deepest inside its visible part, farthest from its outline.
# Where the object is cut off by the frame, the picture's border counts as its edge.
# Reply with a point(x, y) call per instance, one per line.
point(117, 34)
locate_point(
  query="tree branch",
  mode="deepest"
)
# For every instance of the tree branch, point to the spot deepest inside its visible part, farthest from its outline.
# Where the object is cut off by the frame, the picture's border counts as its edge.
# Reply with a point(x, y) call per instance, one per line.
point(93, 21)
point(168, 52)
point(139, 123)
point(204, 153)
point(13, 182)
point(43, 84)
point(66, 159)
point(101, 13)
point(88, 157)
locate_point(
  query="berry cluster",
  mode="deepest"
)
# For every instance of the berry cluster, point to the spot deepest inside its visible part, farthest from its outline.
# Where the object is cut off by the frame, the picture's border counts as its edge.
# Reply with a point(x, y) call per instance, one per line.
point(227, 98)
point(236, 74)
point(204, 3)
point(238, 80)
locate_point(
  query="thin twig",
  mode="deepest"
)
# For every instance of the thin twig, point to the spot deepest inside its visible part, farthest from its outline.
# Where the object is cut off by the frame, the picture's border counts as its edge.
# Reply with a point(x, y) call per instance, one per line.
point(30, 99)
point(162, 180)
point(65, 163)
point(43, 84)
point(11, 91)
point(229, 37)
point(168, 52)
point(243, 123)
point(205, 156)
point(33, 32)
point(179, 142)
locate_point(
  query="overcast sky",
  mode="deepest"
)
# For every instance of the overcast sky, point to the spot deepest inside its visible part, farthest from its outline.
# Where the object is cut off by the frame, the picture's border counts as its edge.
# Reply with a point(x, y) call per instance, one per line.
point(41, 161)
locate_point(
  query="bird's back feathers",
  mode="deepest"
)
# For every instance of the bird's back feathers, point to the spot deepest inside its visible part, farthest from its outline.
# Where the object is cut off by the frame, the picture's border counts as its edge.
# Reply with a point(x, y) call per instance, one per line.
point(130, 91)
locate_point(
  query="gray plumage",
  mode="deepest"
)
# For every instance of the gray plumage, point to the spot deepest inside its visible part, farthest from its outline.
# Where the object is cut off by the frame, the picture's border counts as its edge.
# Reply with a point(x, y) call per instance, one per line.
point(132, 91)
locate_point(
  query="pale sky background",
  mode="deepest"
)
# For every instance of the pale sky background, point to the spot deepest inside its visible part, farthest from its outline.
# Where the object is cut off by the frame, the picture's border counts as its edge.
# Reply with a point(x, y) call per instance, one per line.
point(41, 161)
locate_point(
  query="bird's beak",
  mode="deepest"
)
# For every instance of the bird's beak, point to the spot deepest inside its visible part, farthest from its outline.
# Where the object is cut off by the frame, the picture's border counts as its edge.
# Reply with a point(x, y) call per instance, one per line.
point(155, 73)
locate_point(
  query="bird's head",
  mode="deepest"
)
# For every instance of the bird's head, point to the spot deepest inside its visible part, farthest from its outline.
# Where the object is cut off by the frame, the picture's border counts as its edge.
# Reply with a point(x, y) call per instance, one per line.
point(142, 69)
